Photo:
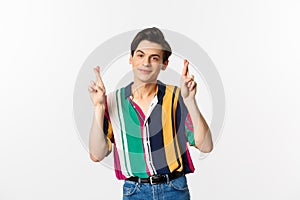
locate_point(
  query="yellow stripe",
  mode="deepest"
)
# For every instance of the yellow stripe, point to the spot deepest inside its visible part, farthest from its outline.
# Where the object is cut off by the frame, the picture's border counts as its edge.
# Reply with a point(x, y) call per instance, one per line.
point(109, 136)
point(176, 138)
point(167, 127)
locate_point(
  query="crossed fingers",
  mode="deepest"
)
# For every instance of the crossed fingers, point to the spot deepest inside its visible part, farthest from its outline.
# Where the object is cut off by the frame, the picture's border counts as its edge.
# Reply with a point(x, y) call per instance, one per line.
point(188, 79)
point(98, 85)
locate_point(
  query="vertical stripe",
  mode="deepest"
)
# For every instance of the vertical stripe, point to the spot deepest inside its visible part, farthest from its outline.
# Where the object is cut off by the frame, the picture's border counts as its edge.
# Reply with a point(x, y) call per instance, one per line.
point(168, 129)
point(148, 136)
point(133, 135)
point(181, 114)
point(113, 114)
point(189, 160)
point(123, 133)
point(175, 134)
point(141, 118)
point(118, 169)
point(107, 124)
point(148, 150)
point(156, 135)
point(114, 117)
point(189, 130)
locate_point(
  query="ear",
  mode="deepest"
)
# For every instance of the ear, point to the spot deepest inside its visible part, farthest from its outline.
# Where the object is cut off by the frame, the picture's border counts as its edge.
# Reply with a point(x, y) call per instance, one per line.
point(165, 64)
point(130, 59)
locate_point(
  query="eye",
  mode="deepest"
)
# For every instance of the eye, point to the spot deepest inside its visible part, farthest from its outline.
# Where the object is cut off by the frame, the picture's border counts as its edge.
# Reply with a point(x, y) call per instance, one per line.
point(155, 58)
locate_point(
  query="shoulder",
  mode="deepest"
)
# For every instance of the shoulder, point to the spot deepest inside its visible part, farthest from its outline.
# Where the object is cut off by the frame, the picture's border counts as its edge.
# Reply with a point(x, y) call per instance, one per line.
point(167, 87)
point(174, 89)
point(118, 93)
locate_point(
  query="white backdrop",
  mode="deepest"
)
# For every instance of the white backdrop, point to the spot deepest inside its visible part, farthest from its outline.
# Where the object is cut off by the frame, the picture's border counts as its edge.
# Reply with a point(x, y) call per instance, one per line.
point(254, 45)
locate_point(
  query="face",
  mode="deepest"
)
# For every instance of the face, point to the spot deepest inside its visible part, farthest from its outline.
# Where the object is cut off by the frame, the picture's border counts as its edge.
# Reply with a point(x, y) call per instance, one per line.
point(147, 61)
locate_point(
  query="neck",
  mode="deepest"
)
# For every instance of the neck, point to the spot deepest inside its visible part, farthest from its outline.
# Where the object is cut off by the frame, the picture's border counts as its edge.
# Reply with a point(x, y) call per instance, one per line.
point(143, 90)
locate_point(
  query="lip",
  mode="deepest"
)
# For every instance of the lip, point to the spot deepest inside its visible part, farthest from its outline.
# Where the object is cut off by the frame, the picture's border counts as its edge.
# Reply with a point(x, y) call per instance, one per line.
point(144, 71)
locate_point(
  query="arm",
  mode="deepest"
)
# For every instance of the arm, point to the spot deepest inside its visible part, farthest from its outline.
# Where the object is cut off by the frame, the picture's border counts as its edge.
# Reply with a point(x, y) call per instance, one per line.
point(98, 143)
point(202, 133)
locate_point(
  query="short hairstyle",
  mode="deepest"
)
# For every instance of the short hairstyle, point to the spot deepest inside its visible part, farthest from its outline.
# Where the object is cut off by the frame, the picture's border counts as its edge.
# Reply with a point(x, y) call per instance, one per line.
point(153, 35)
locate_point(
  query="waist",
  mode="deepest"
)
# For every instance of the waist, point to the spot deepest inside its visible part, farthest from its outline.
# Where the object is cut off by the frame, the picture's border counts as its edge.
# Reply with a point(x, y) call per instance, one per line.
point(156, 179)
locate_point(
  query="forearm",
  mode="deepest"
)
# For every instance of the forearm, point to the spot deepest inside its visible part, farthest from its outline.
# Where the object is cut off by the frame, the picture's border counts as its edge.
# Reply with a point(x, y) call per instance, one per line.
point(202, 134)
point(98, 146)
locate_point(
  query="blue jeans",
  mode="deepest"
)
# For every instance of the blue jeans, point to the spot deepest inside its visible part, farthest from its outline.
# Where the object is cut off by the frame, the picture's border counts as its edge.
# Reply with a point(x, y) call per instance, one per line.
point(174, 189)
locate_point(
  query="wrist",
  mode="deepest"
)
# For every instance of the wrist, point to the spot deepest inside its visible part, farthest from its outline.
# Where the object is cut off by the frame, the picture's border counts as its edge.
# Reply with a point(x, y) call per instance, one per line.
point(189, 102)
point(99, 107)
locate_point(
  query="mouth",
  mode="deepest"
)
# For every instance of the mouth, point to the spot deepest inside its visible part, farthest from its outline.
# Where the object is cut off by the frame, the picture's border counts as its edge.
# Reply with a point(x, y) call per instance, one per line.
point(144, 71)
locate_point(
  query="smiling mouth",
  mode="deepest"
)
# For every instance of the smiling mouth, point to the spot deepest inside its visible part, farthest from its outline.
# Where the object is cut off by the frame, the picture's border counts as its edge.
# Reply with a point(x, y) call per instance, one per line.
point(144, 71)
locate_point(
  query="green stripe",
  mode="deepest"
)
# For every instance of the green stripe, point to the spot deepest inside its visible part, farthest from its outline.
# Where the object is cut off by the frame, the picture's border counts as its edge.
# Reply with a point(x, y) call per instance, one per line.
point(189, 134)
point(121, 129)
point(134, 138)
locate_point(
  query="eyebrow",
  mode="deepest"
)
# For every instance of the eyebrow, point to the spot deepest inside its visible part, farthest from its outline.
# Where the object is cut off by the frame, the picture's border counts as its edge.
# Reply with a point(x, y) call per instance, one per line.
point(144, 53)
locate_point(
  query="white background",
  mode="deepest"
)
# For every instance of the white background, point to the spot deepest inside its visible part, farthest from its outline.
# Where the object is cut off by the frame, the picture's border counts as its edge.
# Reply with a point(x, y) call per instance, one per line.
point(254, 45)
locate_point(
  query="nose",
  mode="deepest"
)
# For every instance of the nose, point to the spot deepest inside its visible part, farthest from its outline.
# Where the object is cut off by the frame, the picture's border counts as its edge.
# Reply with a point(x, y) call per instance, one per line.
point(146, 61)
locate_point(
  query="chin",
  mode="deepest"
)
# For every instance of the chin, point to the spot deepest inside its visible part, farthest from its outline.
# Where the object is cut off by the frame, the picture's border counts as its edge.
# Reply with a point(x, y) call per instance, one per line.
point(147, 80)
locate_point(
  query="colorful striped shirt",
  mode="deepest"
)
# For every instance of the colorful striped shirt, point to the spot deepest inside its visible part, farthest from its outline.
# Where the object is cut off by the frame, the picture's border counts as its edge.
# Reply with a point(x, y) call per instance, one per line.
point(150, 143)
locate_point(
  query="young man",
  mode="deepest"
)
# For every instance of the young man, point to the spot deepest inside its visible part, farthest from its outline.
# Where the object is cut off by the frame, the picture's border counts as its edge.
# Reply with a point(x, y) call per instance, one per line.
point(150, 124)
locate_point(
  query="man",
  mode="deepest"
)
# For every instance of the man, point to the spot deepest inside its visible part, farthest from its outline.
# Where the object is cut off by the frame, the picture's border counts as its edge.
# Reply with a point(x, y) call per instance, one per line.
point(150, 124)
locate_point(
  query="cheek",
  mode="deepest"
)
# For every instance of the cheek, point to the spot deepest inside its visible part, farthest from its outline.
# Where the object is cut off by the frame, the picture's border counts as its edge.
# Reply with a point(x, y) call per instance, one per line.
point(135, 63)
point(157, 70)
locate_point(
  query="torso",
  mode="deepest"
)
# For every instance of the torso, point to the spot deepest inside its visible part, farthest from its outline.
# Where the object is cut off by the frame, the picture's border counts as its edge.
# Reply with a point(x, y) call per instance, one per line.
point(144, 104)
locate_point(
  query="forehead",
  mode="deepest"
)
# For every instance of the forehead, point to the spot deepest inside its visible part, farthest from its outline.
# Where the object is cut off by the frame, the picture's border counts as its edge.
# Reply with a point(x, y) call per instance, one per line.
point(147, 46)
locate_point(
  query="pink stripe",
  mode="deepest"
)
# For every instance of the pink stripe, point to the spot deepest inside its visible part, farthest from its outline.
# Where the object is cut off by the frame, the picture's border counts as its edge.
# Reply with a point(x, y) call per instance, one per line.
point(191, 165)
point(189, 123)
point(118, 170)
point(142, 131)
point(137, 107)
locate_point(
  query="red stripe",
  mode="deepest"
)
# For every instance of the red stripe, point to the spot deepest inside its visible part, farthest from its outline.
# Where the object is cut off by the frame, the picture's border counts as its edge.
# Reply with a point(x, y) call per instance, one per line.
point(191, 165)
point(138, 109)
point(118, 170)
point(189, 123)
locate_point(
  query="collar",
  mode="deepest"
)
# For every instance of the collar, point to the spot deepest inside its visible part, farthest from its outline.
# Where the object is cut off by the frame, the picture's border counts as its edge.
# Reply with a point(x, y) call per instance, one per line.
point(161, 87)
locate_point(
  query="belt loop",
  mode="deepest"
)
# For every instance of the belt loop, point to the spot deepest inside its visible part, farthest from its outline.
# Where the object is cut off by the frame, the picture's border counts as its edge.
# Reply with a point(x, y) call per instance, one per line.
point(139, 181)
point(168, 180)
point(150, 178)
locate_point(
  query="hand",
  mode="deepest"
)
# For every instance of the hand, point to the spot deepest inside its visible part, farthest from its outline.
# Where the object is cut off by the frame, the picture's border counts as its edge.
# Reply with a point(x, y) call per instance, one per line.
point(97, 90)
point(187, 84)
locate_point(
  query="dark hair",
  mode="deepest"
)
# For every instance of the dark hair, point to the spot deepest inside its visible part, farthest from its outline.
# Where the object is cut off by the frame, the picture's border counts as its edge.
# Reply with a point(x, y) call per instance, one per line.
point(153, 35)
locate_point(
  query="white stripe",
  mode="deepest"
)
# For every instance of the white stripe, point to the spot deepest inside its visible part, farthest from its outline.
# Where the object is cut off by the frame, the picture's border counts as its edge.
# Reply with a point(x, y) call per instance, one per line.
point(146, 139)
point(145, 144)
point(148, 148)
point(114, 119)
point(152, 106)
point(124, 135)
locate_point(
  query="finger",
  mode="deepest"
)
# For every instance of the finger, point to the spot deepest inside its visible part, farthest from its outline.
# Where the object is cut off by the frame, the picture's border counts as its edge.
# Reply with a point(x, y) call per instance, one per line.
point(187, 80)
point(97, 72)
point(193, 85)
point(185, 70)
point(94, 87)
point(91, 89)
point(98, 77)
point(191, 76)
point(100, 83)
point(93, 84)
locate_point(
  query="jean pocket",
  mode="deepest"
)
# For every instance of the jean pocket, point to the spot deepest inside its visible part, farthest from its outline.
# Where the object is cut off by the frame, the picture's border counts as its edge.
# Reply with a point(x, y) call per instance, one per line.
point(179, 184)
point(129, 188)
